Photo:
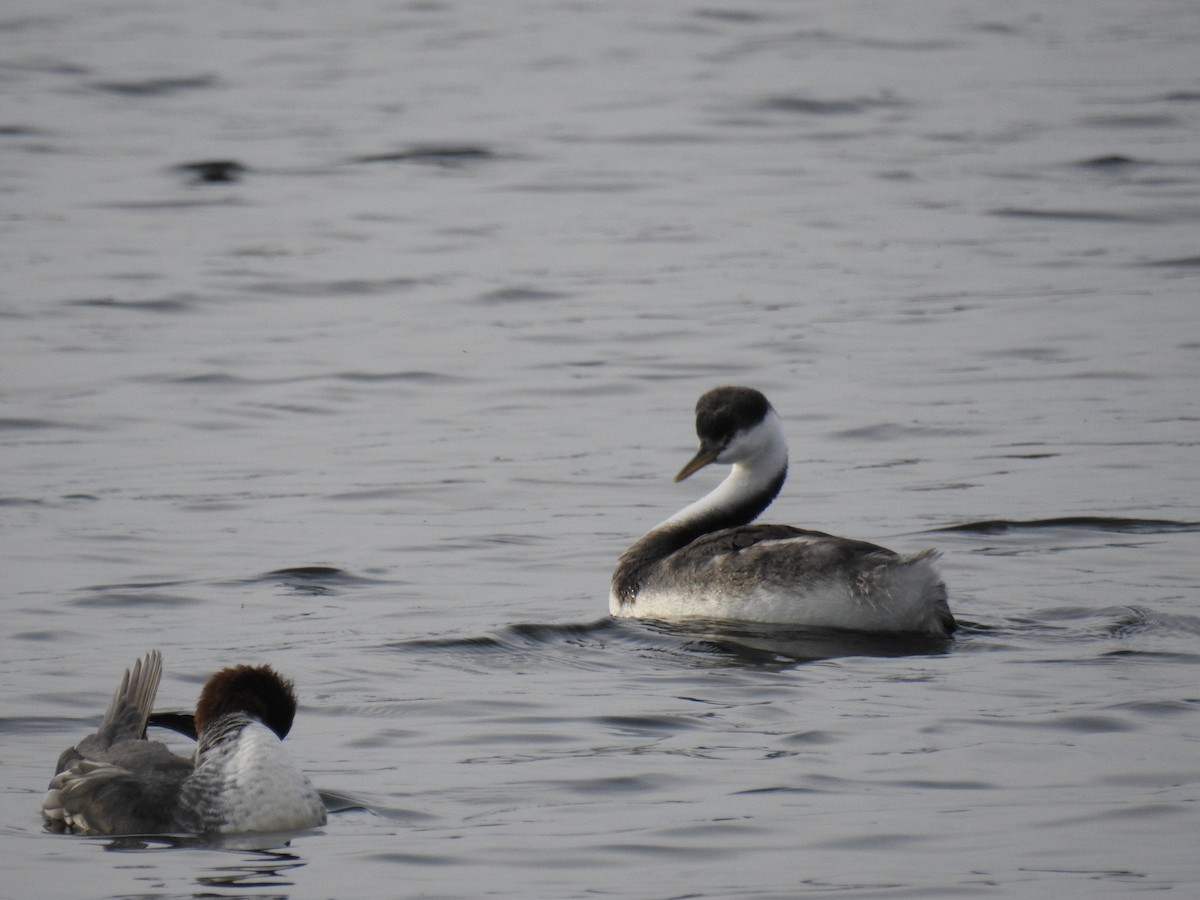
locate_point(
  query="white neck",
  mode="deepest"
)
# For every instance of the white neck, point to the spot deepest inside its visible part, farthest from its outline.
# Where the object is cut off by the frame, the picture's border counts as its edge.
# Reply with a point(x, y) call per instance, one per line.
point(759, 457)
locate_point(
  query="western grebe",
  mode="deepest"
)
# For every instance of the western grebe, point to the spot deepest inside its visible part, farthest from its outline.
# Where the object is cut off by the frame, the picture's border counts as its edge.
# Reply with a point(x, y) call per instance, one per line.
point(708, 562)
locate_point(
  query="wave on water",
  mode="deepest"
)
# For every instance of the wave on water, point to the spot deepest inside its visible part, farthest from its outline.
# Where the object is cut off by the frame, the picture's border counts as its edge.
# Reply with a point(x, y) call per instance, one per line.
point(313, 580)
point(704, 643)
point(119, 596)
point(269, 860)
point(757, 646)
point(1079, 215)
point(1092, 631)
point(1125, 621)
point(157, 87)
point(171, 304)
point(213, 171)
point(1083, 523)
point(444, 155)
point(577, 644)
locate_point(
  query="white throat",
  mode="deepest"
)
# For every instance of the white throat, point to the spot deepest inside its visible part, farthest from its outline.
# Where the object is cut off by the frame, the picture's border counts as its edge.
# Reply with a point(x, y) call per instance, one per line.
point(758, 457)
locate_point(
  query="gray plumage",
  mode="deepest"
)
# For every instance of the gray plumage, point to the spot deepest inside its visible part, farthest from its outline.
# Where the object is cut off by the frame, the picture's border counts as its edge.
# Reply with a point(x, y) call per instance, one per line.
point(117, 782)
point(708, 561)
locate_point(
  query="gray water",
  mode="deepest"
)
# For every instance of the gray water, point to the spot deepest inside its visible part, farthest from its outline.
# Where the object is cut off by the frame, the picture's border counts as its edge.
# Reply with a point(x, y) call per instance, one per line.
point(381, 404)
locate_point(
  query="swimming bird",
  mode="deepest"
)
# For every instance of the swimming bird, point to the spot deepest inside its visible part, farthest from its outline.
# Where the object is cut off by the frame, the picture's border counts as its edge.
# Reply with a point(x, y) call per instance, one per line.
point(240, 779)
point(708, 562)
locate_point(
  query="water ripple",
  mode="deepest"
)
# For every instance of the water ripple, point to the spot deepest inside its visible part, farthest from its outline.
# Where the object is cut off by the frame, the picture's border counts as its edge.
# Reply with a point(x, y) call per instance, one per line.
point(314, 581)
point(156, 87)
point(444, 155)
point(705, 644)
point(1084, 523)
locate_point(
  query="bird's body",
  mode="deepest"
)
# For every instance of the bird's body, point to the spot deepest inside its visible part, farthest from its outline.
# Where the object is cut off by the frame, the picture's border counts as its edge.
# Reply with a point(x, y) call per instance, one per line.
point(709, 562)
point(240, 780)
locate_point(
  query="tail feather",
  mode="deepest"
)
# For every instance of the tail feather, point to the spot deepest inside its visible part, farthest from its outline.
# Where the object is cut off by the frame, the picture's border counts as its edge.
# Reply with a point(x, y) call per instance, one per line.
point(131, 705)
point(913, 588)
point(935, 589)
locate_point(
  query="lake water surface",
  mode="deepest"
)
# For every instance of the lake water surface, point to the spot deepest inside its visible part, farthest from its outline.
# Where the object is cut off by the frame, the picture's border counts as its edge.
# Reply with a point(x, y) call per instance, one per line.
point(379, 393)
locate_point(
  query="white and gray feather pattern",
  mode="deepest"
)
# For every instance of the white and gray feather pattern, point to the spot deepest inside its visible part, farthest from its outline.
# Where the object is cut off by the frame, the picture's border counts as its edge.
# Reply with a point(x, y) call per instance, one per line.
point(708, 562)
point(240, 779)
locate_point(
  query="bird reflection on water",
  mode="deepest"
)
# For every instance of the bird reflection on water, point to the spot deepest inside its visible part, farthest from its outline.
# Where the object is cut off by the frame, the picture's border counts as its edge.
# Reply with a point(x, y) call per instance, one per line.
point(747, 644)
point(266, 864)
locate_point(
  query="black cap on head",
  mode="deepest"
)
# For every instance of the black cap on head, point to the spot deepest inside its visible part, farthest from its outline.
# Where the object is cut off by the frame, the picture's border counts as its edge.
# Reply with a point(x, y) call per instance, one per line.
point(723, 412)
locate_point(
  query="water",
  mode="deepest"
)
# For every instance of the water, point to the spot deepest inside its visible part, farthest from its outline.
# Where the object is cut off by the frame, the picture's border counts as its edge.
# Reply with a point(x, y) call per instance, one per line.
point(383, 406)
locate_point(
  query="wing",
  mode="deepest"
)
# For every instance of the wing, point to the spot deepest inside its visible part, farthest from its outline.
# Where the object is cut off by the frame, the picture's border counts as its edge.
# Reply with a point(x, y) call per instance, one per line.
point(815, 547)
point(127, 713)
point(94, 797)
point(754, 555)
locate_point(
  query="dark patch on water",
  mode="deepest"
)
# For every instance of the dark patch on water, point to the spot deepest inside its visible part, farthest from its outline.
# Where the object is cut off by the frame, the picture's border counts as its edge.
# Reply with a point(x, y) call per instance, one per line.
point(1074, 215)
point(916, 45)
point(470, 644)
point(1161, 708)
point(316, 581)
point(162, 305)
point(156, 87)
point(518, 639)
point(175, 205)
point(21, 424)
point(31, 724)
point(1182, 262)
point(20, 131)
point(103, 598)
point(45, 636)
point(646, 725)
point(706, 643)
point(133, 585)
point(521, 295)
point(777, 789)
point(813, 106)
point(225, 379)
point(415, 375)
point(411, 859)
point(736, 16)
point(1086, 523)
point(812, 738)
point(892, 431)
point(1156, 657)
point(1139, 121)
point(870, 842)
point(928, 784)
point(213, 171)
point(776, 648)
point(445, 155)
point(663, 852)
point(349, 287)
point(611, 786)
point(1089, 724)
point(217, 378)
point(1111, 161)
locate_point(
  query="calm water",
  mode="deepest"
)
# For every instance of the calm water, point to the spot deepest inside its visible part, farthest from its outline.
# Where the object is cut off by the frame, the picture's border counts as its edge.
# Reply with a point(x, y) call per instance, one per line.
point(380, 398)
